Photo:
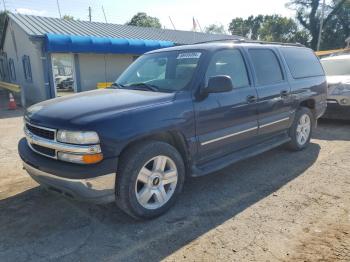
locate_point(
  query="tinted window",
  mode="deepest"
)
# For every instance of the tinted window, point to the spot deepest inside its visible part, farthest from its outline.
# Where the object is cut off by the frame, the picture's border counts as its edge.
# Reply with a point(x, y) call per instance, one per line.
point(230, 63)
point(267, 67)
point(302, 62)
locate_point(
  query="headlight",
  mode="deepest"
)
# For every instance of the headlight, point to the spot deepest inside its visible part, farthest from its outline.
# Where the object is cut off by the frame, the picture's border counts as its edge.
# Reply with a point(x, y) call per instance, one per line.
point(341, 89)
point(80, 159)
point(77, 137)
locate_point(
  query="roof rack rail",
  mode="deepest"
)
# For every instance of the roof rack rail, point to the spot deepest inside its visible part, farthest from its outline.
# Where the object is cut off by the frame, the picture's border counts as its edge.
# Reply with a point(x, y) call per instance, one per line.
point(242, 40)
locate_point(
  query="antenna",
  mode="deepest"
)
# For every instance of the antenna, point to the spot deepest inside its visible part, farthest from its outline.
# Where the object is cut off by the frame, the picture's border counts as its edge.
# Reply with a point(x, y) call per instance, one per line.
point(171, 21)
point(58, 8)
point(90, 13)
point(104, 14)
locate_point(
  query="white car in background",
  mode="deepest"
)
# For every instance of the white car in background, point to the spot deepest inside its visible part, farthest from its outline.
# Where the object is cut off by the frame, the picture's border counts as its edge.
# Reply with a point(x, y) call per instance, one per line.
point(337, 70)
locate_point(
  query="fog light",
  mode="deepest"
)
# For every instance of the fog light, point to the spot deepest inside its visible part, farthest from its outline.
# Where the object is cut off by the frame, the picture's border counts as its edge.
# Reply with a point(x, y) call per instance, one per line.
point(80, 159)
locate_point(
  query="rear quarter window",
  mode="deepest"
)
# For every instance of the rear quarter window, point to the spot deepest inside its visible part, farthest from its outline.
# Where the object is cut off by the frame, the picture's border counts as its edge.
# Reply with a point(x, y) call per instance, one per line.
point(302, 62)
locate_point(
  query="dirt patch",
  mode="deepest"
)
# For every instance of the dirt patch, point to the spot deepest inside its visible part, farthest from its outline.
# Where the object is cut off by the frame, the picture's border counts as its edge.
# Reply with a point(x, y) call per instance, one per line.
point(327, 241)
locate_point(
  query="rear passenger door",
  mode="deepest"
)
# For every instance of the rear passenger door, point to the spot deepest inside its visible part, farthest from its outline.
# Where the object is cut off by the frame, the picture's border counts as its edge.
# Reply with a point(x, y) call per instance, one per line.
point(274, 103)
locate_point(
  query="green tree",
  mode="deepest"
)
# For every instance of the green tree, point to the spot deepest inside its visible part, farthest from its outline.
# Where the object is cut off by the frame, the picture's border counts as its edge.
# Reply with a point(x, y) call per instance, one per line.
point(2, 20)
point(143, 20)
point(273, 28)
point(308, 13)
point(215, 29)
point(68, 18)
point(246, 27)
point(276, 28)
point(337, 29)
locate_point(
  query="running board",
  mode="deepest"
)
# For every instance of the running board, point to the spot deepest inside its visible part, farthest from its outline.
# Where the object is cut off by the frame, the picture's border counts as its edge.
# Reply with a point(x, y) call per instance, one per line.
point(248, 152)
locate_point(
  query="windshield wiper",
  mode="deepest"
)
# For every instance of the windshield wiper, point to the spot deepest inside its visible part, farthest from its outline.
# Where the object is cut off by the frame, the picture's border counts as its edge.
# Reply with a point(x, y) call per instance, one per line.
point(117, 85)
point(145, 86)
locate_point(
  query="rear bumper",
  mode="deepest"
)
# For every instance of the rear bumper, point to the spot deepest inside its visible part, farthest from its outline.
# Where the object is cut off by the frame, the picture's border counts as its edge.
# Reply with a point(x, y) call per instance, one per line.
point(97, 190)
point(337, 111)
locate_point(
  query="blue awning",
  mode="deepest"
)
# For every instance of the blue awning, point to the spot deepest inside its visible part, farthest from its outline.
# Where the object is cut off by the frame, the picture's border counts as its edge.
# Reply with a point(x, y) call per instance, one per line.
point(92, 44)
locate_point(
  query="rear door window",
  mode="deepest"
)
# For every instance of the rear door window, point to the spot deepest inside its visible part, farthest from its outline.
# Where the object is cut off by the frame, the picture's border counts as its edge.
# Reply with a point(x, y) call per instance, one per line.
point(267, 67)
point(302, 62)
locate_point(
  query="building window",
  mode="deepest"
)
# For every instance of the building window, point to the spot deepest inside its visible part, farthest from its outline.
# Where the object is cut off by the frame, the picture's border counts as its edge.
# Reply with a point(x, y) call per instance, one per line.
point(2, 69)
point(27, 69)
point(12, 70)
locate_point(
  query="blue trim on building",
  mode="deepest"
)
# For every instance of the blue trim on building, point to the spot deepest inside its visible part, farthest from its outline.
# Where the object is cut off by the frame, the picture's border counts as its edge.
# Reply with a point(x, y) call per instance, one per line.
point(102, 45)
point(77, 72)
point(48, 71)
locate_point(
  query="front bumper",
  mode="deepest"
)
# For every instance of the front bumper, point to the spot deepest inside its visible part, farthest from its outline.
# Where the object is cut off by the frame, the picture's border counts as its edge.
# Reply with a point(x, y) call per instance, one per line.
point(97, 190)
point(95, 183)
point(337, 111)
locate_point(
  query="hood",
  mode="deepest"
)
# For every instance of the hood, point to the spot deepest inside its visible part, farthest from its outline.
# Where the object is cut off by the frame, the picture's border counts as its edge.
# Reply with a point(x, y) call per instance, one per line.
point(340, 79)
point(83, 107)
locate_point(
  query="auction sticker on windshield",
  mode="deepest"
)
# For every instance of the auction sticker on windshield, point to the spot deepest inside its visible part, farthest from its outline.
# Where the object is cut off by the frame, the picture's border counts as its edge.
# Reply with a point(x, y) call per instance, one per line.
point(189, 55)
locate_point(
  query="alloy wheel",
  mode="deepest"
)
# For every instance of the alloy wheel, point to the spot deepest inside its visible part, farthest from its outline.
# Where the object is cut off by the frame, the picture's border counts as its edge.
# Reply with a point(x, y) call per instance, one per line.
point(156, 182)
point(303, 129)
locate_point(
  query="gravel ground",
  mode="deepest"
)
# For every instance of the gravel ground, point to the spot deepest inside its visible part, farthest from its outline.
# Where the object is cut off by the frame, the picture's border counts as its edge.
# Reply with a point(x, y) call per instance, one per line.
point(279, 206)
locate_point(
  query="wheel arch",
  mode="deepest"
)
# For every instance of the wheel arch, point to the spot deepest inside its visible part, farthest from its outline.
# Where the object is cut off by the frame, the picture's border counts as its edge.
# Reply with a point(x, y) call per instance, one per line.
point(174, 138)
point(309, 103)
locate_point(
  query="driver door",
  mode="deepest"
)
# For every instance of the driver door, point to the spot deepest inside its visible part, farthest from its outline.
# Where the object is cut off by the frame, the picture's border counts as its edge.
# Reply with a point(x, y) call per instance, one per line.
point(226, 122)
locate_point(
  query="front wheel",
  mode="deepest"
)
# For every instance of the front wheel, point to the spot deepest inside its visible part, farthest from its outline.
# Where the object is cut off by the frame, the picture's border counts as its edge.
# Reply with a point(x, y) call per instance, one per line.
point(150, 178)
point(301, 129)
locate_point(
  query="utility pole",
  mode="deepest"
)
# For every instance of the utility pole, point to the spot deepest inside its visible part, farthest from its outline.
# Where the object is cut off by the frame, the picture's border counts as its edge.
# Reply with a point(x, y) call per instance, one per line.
point(58, 7)
point(321, 26)
point(90, 13)
point(3, 2)
point(104, 14)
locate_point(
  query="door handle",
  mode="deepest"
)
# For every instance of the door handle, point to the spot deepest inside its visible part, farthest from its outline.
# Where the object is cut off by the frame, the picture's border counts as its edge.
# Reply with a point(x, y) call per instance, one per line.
point(284, 93)
point(251, 99)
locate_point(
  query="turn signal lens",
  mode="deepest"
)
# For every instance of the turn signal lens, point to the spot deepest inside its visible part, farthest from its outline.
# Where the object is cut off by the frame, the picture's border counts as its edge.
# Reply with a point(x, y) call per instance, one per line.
point(91, 159)
point(80, 159)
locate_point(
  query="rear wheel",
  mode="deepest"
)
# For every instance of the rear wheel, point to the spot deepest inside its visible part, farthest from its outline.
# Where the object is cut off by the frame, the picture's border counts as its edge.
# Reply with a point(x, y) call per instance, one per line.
point(150, 178)
point(301, 129)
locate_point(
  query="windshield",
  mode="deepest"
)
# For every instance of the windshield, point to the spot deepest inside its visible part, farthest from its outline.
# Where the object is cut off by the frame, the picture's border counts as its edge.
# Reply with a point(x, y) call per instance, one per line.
point(336, 67)
point(163, 72)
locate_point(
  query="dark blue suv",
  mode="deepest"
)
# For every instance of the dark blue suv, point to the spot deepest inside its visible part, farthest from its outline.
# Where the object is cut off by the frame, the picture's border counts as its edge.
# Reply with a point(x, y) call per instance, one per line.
point(176, 112)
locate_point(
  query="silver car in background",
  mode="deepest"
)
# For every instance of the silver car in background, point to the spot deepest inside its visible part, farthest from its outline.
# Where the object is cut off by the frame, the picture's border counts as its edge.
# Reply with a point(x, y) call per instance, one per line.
point(337, 70)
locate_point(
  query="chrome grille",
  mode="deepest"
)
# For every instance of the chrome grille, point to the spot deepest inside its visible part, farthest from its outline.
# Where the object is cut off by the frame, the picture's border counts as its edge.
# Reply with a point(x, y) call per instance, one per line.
point(41, 131)
point(44, 133)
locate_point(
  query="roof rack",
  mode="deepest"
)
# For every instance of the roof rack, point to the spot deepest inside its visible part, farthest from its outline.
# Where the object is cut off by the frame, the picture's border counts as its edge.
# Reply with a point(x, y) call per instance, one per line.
point(242, 40)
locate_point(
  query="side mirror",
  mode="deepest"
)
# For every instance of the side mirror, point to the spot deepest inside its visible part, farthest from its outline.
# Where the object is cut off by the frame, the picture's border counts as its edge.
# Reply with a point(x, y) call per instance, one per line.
point(219, 84)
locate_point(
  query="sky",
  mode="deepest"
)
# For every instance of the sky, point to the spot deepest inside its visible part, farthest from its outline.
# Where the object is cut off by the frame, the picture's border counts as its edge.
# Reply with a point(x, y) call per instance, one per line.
point(181, 11)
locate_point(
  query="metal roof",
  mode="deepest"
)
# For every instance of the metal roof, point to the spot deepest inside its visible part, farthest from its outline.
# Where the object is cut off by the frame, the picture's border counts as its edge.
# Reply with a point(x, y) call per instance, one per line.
point(39, 26)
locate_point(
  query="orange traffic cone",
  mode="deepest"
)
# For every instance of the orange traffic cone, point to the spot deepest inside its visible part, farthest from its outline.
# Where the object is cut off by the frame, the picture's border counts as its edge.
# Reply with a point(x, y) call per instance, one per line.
point(12, 104)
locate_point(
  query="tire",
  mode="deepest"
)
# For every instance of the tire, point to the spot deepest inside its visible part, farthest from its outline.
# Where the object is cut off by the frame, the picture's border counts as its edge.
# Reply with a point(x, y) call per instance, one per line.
point(134, 187)
point(296, 130)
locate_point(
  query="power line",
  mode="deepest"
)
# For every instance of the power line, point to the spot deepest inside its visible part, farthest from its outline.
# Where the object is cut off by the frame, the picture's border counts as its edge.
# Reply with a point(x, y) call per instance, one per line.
point(171, 21)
